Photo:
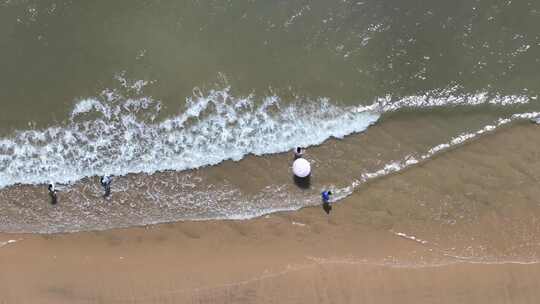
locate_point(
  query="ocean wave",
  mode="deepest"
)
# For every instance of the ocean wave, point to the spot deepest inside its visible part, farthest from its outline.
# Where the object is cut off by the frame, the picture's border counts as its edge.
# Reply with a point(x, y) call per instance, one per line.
point(115, 134)
point(118, 132)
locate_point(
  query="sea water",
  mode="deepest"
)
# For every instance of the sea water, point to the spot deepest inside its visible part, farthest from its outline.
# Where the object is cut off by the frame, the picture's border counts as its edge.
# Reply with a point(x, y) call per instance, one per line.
point(194, 106)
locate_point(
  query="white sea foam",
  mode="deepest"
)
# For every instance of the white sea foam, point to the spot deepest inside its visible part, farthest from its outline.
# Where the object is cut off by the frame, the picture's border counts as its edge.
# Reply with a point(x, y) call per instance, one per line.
point(122, 136)
point(449, 96)
point(2, 244)
point(116, 133)
point(87, 105)
point(410, 237)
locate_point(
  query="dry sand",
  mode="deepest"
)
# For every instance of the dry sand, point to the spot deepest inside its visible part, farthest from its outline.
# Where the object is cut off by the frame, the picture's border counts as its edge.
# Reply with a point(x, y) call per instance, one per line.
point(461, 228)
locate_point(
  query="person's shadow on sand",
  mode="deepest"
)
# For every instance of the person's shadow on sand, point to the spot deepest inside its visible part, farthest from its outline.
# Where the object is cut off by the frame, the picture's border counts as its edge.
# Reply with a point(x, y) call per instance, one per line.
point(326, 207)
point(53, 199)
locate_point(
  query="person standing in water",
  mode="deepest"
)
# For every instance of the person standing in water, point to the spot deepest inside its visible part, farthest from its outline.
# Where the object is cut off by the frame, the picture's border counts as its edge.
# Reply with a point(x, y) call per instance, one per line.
point(53, 193)
point(106, 184)
point(298, 152)
point(325, 195)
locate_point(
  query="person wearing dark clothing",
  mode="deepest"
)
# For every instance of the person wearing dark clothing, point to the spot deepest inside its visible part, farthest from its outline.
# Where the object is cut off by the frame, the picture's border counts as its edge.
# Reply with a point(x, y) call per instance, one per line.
point(106, 184)
point(53, 194)
point(298, 153)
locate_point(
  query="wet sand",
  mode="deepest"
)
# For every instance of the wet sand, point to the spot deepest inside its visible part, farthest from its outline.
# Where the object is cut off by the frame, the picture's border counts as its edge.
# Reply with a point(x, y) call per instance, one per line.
point(460, 228)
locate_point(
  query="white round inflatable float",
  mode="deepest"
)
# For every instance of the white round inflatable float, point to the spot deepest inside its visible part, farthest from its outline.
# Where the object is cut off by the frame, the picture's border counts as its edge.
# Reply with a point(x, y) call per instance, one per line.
point(301, 168)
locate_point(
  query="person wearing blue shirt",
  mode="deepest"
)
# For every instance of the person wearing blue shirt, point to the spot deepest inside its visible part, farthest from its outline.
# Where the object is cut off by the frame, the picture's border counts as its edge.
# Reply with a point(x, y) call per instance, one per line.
point(326, 196)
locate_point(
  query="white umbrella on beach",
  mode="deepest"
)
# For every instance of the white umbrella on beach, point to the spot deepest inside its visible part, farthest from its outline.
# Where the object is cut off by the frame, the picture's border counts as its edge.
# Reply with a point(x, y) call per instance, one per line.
point(301, 168)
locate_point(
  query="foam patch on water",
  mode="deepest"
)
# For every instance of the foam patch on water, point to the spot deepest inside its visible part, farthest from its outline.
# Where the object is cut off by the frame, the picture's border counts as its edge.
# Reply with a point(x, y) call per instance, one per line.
point(449, 96)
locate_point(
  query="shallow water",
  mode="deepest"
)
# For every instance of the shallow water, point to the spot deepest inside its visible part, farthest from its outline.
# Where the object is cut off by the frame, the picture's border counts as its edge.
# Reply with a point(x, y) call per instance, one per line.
point(194, 105)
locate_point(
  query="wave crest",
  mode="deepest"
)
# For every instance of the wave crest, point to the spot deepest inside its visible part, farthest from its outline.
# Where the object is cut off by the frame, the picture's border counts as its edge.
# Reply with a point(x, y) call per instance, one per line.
point(116, 134)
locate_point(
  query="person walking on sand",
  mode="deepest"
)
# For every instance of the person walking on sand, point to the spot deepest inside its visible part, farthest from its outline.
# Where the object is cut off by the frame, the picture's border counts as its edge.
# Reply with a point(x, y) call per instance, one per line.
point(298, 152)
point(106, 181)
point(53, 194)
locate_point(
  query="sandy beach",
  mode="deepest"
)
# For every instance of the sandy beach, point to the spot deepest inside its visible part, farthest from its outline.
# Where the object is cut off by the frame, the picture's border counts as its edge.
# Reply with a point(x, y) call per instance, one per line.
point(417, 115)
point(456, 229)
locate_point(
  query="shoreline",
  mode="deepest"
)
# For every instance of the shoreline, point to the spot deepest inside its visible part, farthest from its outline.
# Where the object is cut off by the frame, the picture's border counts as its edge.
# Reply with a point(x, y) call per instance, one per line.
point(453, 229)
point(256, 193)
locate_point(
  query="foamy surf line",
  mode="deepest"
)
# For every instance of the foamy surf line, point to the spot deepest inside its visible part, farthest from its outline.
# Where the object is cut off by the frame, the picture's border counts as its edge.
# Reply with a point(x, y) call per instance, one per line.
point(5, 243)
point(450, 97)
point(412, 160)
point(117, 134)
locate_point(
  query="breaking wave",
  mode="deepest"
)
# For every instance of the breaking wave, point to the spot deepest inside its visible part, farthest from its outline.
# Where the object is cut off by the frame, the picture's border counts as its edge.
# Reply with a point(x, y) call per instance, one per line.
point(113, 134)
point(116, 133)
